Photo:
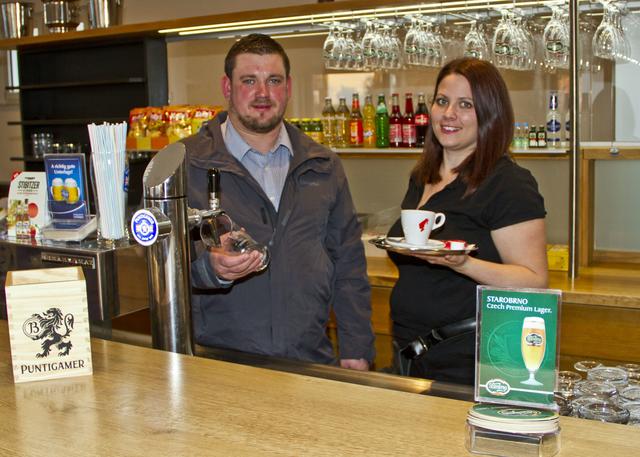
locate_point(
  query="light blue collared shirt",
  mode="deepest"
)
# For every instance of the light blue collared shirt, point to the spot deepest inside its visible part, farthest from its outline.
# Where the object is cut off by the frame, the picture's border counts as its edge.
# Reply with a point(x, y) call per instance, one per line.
point(270, 169)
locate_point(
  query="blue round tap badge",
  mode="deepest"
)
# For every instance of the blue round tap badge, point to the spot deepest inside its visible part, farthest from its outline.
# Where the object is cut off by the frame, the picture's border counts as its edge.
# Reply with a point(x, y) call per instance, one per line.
point(144, 227)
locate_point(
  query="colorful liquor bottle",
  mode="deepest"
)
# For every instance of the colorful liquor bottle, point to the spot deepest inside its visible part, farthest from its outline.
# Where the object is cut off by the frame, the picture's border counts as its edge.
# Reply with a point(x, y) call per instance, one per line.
point(356, 138)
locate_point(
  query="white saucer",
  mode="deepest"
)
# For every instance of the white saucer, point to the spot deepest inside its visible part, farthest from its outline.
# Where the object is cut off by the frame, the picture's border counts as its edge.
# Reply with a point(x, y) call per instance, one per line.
point(399, 242)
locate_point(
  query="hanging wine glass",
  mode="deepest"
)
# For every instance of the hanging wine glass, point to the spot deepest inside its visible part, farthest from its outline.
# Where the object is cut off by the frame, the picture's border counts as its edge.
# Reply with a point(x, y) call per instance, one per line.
point(340, 50)
point(410, 46)
point(424, 30)
point(358, 58)
point(369, 52)
point(395, 49)
point(500, 45)
point(436, 52)
point(346, 57)
point(556, 40)
point(474, 43)
point(328, 48)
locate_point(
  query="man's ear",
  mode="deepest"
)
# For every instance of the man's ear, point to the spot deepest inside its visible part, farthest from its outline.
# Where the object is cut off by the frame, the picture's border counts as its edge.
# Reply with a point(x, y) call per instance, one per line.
point(225, 85)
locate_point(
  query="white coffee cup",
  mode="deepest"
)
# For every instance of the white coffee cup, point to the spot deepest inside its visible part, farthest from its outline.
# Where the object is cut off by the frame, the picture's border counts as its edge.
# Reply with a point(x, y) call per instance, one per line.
point(417, 225)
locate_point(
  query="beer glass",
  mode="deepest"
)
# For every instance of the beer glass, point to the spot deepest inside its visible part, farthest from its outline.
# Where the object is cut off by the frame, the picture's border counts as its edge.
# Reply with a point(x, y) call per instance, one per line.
point(634, 412)
point(597, 389)
point(533, 345)
point(585, 365)
point(629, 394)
point(616, 376)
point(566, 383)
point(633, 370)
point(579, 402)
point(222, 234)
point(604, 412)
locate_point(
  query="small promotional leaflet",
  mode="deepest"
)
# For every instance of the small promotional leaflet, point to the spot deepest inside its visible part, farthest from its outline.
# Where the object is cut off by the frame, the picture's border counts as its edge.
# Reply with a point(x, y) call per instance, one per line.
point(66, 184)
point(68, 201)
point(517, 346)
point(27, 206)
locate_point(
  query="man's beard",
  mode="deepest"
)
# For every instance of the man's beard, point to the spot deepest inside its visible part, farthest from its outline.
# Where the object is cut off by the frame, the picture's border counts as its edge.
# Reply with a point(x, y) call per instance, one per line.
point(258, 125)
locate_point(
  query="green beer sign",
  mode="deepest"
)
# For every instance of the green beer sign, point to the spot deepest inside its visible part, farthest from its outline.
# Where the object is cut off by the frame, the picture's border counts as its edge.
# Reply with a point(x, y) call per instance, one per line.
point(517, 346)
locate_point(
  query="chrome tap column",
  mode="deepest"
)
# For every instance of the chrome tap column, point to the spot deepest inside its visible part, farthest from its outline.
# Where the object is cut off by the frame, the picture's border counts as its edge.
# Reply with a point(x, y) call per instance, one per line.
point(163, 226)
point(165, 198)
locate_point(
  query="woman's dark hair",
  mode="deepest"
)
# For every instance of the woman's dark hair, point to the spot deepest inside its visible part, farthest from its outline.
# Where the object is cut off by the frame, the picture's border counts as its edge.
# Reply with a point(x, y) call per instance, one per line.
point(495, 125)
point(255, 43)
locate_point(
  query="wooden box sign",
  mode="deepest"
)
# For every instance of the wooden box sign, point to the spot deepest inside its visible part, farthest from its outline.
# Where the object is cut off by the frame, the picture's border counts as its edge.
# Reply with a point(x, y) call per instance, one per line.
point(48, 323)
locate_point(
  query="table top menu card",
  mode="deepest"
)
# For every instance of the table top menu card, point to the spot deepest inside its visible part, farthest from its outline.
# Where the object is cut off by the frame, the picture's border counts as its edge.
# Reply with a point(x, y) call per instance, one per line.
point(517, 346)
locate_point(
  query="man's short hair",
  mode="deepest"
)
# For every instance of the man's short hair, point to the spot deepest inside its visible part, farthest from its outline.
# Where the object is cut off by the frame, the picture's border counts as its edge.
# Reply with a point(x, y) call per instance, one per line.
point(255, 43)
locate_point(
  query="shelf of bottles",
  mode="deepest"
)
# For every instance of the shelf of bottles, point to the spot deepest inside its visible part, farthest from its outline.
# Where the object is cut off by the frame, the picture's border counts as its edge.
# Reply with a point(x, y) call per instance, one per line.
point(372, 127)
point(378, 130)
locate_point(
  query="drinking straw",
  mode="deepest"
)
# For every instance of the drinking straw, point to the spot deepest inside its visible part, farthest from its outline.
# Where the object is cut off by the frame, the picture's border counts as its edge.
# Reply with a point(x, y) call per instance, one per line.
point(108, 158)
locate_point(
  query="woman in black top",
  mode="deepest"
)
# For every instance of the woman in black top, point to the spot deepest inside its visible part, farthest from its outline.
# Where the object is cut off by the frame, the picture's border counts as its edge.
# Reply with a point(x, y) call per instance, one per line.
point(465, 172)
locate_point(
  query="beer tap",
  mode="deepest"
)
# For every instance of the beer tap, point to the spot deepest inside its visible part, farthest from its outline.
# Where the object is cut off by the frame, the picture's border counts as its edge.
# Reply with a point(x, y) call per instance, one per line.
point(196, 217)
point(163, 226)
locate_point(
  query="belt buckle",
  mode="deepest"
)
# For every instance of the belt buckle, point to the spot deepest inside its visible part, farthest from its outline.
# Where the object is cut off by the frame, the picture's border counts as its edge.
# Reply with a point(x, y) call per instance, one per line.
point(414, 350)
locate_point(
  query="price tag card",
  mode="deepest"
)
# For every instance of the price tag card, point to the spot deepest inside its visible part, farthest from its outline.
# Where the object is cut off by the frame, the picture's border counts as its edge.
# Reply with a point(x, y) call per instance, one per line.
point(517, 346)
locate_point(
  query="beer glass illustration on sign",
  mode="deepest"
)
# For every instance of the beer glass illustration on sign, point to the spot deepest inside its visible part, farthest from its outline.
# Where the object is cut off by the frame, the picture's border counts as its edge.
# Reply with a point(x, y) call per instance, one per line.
point(57, 185)
point(72, 191)
point(533, 347)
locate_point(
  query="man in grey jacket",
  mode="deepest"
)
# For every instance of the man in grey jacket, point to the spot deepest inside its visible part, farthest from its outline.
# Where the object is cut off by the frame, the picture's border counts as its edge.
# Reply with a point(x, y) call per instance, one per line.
point(290, 194)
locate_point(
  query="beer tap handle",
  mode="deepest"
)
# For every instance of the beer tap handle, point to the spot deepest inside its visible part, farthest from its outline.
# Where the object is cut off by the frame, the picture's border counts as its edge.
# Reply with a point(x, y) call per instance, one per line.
point(213, 176)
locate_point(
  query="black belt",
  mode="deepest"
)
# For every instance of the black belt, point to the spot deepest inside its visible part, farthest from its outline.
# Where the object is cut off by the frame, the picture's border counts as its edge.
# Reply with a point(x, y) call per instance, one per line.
point(418, 347)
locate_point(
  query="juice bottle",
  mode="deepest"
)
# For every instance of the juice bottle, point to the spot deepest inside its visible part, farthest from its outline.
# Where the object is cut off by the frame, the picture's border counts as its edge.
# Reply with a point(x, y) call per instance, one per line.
point(369, 123)
point(342, 124)
point(356, 137)
point(329, 123)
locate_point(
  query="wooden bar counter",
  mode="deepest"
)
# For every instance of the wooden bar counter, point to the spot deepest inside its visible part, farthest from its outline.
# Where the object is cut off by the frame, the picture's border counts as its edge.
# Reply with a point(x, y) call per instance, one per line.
point(141, 401)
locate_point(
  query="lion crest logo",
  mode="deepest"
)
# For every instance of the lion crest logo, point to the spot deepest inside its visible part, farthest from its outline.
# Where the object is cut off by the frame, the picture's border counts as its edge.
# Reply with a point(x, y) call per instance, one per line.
point(52, 328)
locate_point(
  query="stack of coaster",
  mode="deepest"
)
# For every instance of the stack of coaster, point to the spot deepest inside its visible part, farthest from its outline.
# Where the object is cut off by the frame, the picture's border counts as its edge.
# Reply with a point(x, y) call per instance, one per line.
point(513, 419)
